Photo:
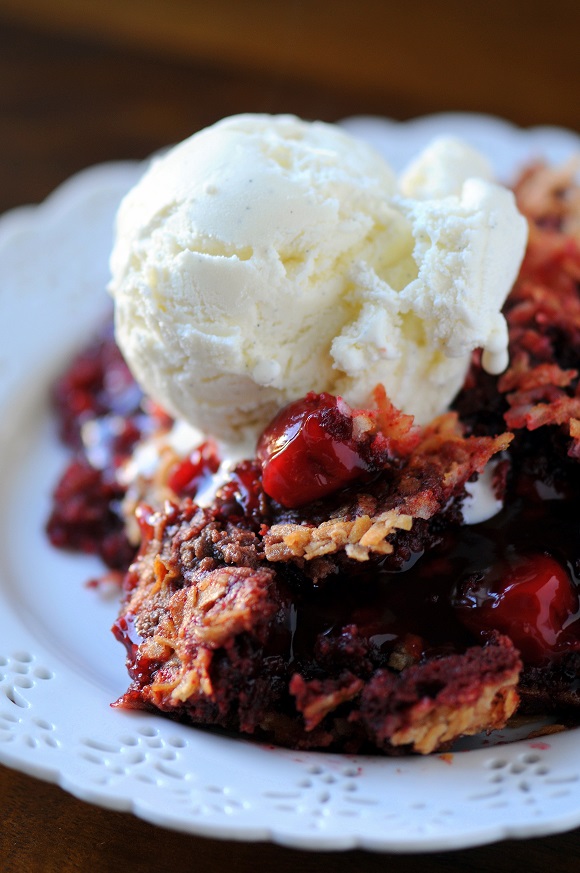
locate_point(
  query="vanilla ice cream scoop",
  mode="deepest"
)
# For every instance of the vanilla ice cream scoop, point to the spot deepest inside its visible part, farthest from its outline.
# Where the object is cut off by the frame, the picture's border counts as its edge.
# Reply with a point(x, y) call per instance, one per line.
point(266, 257)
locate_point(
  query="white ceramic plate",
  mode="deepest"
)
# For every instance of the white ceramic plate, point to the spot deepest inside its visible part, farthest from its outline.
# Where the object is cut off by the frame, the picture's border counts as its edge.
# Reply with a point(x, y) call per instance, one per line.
point(60, 667)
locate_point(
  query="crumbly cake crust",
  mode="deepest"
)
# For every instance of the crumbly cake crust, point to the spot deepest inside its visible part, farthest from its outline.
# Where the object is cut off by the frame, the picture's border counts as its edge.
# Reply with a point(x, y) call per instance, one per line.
point(419, 487)
point(202, 606)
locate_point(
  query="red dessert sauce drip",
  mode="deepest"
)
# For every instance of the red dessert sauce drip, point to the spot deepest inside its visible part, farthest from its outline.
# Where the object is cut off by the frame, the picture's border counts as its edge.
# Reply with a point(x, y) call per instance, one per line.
point(242, 496)
point(308, 451)
point(188, 475)
point(141, 667)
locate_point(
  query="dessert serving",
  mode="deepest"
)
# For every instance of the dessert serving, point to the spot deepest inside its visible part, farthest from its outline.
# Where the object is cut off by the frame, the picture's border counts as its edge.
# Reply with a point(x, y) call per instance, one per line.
point(358, 529)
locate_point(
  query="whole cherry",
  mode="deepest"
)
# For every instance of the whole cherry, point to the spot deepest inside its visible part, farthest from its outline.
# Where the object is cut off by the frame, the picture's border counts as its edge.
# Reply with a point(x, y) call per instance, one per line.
point(533, 601)
point(309, 450)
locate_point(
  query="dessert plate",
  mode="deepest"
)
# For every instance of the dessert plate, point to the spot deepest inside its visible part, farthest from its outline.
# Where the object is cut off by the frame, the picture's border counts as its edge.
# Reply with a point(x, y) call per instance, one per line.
point(60, 667)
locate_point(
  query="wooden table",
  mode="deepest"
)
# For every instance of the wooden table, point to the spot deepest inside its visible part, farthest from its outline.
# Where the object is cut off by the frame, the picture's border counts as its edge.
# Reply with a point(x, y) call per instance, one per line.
point(67, 102)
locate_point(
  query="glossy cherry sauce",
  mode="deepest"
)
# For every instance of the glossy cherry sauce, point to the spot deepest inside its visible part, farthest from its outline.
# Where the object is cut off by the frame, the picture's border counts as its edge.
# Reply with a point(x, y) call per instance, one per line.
point(517, 573)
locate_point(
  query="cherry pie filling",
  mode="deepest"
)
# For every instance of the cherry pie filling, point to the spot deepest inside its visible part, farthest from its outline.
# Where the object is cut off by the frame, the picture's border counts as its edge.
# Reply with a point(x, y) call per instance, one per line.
point(445, 586)
point(518, 572)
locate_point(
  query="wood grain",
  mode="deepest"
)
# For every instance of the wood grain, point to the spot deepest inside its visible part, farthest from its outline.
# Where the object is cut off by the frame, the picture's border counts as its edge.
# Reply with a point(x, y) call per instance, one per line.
point(68, 103)
point(517, 59)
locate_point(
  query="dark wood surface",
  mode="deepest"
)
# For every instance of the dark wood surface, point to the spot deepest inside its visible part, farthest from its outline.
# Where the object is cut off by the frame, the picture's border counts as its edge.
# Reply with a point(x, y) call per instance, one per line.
point(516, 58)
point(66, 102)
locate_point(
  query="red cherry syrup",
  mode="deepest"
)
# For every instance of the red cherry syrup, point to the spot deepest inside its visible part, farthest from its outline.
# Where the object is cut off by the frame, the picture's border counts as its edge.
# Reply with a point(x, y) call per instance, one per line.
point(186, 477)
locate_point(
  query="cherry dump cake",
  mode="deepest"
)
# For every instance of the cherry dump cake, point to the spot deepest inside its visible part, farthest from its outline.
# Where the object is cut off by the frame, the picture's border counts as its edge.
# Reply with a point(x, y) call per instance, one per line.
point(329, 592)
